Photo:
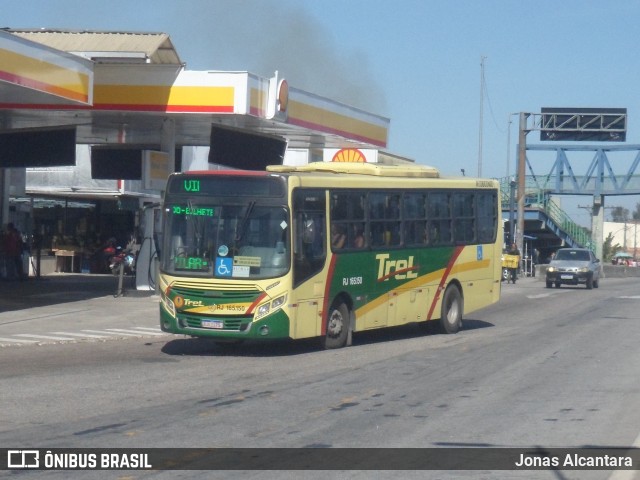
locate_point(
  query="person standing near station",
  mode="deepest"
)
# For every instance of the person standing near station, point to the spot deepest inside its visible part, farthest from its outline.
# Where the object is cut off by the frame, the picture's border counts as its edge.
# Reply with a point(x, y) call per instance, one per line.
point(535, 258)
point(513, 250)
point(13, 250)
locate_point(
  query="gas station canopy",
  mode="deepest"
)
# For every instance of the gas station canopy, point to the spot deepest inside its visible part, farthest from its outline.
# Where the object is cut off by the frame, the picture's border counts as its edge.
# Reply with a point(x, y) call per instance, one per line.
point(121, 88)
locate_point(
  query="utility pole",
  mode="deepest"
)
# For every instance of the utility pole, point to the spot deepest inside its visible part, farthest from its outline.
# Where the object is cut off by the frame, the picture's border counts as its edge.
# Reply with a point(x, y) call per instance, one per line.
point(509, 146)
point(482, 59)
point(522, 159)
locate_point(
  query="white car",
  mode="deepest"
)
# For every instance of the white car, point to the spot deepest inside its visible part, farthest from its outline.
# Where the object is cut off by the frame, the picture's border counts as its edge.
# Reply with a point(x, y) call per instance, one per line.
point(573, 266)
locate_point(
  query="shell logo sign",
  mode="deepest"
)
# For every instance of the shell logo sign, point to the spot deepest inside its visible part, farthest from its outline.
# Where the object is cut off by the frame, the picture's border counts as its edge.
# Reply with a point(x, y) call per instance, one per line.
point(351, 155)
point(283, 96)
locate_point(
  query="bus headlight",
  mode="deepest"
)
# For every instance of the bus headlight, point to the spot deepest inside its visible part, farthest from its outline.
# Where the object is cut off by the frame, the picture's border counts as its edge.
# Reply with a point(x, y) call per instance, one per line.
point(278, 302)
point(169, 306)
point(263, 310)
point(270, 307)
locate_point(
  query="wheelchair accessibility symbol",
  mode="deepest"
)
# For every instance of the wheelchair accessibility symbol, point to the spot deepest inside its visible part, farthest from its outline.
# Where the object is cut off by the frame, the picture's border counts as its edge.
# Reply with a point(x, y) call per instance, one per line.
point(224, 267)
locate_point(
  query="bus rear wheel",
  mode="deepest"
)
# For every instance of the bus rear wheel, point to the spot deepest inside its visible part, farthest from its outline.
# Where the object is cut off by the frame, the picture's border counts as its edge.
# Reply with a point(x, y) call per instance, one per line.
point(451, 310)
point(337, 326)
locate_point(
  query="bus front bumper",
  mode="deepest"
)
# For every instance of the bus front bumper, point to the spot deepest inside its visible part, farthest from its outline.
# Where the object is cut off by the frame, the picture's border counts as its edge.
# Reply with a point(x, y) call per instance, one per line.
point(273, 326)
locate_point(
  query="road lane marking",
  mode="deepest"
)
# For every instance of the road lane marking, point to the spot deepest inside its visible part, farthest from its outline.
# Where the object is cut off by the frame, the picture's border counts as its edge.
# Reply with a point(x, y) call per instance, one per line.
point(109, 332)
point(14, 340)
point(81, 335)
point(135, 332)
point(32, 338)
point(549, 293)
point(45, 337)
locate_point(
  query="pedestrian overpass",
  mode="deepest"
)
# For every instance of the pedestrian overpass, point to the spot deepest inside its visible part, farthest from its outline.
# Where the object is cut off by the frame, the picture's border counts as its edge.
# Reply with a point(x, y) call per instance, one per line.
point(546, 226)
point(545, 223)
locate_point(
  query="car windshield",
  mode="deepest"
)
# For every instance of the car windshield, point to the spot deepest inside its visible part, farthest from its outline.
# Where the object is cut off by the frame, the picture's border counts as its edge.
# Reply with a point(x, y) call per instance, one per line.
point(579, 255)
point(233, 241)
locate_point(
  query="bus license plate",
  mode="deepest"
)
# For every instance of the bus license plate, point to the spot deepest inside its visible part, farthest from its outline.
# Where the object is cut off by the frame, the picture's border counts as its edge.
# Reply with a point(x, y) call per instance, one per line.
point(217, 324)
point(566, 277)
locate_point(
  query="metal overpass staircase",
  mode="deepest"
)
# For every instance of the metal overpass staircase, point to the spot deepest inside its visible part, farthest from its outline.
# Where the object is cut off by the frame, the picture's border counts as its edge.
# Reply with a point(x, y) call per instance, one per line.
point(546, 224)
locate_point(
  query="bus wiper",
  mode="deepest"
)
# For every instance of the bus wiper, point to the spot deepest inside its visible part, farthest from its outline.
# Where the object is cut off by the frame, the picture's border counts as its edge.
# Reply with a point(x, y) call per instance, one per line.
point(243, 222)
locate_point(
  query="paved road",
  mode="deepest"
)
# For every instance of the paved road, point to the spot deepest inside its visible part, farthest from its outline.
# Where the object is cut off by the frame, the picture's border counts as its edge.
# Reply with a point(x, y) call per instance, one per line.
point(542, 368)
point(74, 308)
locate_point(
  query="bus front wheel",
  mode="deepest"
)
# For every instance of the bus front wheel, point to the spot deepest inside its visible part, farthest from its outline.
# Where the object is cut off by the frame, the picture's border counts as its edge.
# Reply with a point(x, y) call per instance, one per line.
point(451, 310)
point(337, 326)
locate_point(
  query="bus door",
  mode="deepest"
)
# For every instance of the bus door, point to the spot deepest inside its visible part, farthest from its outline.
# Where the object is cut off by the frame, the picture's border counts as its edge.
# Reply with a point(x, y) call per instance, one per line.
point(310, 253)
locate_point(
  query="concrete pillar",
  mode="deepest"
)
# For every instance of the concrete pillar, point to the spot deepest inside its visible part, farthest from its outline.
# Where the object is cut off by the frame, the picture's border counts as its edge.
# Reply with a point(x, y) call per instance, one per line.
point(597, 224)
point(168, 142)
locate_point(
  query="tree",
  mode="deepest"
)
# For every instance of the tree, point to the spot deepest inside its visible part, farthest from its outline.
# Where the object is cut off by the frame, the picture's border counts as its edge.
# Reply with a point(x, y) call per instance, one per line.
point(609, 250)
point(636, 212)
point(621, 214)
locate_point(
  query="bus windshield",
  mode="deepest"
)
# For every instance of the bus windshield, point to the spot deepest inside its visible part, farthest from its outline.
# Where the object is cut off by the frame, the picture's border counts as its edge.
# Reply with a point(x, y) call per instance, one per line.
point(248, 240)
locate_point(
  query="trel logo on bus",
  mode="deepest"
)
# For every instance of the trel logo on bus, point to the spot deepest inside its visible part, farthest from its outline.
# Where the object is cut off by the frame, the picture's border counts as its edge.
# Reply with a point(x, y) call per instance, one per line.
point(400, 269)
point(179, 301)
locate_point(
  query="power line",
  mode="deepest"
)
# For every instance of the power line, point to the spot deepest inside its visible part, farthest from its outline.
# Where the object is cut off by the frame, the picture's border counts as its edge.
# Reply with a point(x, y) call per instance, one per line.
point(493, 117)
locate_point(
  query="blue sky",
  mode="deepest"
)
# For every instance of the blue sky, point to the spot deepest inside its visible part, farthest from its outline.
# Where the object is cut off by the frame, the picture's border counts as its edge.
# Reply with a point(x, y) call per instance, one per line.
point(414, 61)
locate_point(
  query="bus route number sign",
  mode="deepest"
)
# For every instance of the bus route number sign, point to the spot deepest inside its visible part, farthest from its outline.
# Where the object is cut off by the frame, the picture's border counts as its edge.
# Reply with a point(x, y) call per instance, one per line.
point(191, 185)
point(193, 211)
point(191, 263)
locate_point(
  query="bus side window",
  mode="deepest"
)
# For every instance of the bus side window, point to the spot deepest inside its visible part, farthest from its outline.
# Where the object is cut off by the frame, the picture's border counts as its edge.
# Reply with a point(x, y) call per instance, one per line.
point(487, 213)
point(384, 215)
point(357, 239)
point(338, 236)
point(439, 205)
point(414, 216)
point(464, 212)
point(348, 227)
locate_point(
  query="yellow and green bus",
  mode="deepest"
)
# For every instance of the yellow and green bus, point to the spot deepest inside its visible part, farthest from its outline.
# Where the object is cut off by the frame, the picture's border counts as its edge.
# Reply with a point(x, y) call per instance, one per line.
point(324, 250)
